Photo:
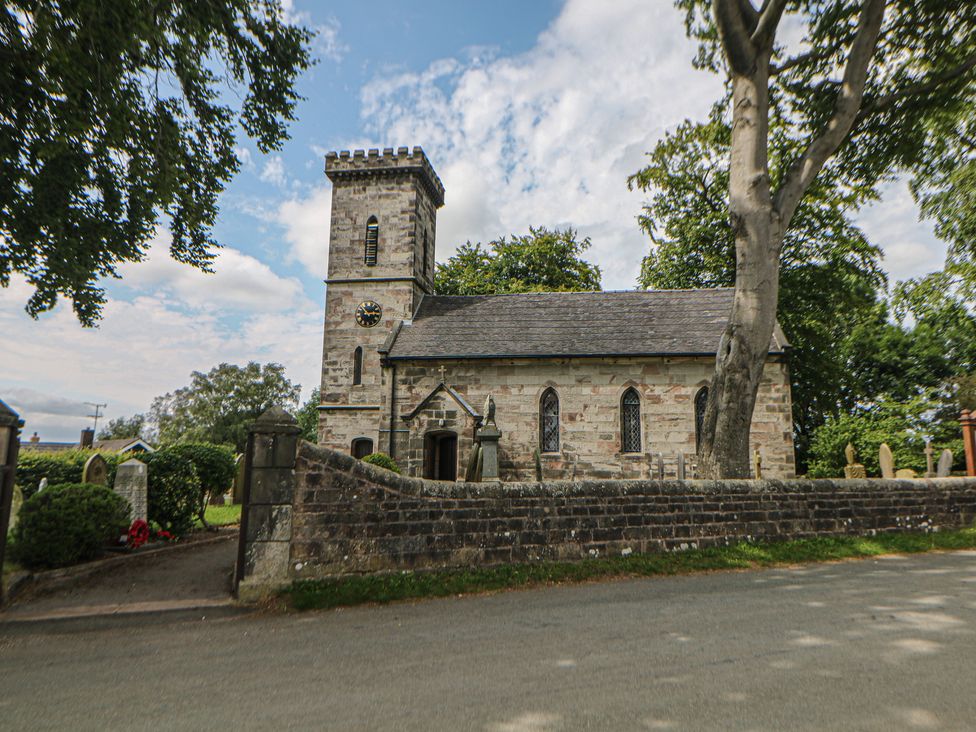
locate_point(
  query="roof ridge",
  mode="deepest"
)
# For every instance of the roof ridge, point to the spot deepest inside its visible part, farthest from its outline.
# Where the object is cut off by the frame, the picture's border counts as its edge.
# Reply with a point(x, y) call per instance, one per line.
point(588, 292)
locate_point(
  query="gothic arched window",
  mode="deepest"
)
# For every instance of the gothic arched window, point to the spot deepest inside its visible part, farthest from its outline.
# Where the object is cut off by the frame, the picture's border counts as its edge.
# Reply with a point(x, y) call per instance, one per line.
point(549, 421)
point(372, 241)
point(357, 366)
point(630, 422)
point(701, 399)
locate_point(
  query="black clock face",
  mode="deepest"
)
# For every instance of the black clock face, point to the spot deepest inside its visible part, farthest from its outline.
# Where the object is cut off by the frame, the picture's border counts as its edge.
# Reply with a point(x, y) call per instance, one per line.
point(368, 314)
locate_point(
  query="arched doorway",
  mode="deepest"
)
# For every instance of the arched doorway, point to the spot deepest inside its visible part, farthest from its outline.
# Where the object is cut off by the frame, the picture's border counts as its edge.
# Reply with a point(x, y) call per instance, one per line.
point(361, 447)
point(440, 455)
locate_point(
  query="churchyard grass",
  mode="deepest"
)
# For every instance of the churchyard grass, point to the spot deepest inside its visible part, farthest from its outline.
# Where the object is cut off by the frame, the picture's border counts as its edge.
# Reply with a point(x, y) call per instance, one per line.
point(327, 593)
point(221, 515)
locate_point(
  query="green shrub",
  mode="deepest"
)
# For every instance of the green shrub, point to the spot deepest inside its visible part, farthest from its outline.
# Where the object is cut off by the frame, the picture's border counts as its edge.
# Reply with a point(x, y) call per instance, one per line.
point(58, 467)
point(382, 460)
point(173, 491)
point(901, 426)
point(215, 467)
point(67, 524)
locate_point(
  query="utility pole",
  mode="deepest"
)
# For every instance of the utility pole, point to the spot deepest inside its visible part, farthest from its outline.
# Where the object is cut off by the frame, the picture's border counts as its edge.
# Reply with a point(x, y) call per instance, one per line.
point(96, 415)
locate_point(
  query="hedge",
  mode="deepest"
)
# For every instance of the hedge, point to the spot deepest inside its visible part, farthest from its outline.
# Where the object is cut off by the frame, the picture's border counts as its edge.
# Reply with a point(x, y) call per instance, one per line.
point(59, 467)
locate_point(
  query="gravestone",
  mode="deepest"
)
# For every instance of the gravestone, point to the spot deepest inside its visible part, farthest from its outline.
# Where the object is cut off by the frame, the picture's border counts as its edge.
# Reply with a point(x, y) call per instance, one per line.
point(239, 481)
point(945, 464)
point(42, 485)
point(15, 504)
point(853, 469)
point(131, 482)
point(95, 470)
point(682, 471)
point(488, 437)
point(906, 474)
point(887, 461)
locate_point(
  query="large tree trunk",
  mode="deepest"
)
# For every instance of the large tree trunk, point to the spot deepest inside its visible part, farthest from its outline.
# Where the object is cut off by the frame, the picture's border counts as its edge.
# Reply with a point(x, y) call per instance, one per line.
point(724, 450)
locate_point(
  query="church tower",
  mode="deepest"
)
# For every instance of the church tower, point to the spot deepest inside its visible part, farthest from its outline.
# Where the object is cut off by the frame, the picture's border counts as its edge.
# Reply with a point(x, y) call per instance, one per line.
point(381, 262)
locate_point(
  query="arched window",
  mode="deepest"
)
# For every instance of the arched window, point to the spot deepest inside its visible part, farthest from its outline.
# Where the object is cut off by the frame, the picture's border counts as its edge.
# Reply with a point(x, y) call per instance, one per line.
point(630, 422)
point(701, 399)
point(357, 366)
point(549, 421)
point(372, 241)
point(361, 447)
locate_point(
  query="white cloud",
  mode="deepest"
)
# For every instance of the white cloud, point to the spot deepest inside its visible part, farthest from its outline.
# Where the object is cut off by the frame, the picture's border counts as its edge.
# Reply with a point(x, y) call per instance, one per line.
point(549, 137)
point(274, 171)
point(306, 223)
point(327, 42)
point(910, 246)
point(239, 282)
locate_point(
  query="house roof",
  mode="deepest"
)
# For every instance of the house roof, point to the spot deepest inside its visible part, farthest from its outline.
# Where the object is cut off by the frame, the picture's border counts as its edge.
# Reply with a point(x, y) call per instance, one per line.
point(126, 444)
point(567, 324)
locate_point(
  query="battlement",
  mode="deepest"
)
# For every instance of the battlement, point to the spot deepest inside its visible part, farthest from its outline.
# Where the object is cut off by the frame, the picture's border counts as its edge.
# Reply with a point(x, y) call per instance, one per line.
point(366, 163)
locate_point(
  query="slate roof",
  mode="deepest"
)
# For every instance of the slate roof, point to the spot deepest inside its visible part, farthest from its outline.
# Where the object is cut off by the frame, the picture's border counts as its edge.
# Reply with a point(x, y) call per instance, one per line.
point(554, 324)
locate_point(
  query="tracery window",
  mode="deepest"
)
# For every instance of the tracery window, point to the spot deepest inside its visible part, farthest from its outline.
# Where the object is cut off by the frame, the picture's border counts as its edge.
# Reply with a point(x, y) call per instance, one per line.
point(357, 366)
point(630, 422)
point(372, 241)
point(549, 421)
point(701, 399)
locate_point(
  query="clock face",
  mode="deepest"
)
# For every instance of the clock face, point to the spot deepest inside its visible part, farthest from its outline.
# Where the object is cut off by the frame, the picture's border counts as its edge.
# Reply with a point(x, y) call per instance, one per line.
point(368, 314)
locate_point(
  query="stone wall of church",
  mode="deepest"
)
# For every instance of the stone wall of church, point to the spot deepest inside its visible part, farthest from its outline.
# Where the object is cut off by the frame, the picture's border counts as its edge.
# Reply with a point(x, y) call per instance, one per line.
point(589, 392)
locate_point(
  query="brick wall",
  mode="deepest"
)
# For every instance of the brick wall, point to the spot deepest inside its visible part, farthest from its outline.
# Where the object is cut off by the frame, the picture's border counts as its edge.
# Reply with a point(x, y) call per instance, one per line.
point(349, 517)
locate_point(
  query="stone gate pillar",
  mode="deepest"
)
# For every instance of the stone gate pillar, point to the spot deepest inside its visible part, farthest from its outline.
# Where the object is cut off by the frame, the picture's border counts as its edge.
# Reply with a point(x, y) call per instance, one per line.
point(269, 488)
point(968, 422)
point(10, 426)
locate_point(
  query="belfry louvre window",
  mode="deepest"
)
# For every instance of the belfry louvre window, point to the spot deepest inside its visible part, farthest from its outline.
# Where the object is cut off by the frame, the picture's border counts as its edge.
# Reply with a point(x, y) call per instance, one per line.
point(549, 421)
point(630, 422)
point(357, 366)
point(701, 399)
point(372, 241)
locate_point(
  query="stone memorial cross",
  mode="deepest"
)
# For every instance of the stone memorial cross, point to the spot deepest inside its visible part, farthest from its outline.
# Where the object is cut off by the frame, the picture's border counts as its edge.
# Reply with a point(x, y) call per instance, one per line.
point(929, 462)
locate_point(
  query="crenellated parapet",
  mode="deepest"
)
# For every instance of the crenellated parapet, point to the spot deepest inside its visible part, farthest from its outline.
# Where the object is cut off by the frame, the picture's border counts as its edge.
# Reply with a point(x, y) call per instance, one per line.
point(346, 165)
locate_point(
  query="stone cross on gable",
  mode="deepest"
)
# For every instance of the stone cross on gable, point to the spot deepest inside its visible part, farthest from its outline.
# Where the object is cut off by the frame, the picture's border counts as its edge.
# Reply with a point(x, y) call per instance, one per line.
point(442, 370)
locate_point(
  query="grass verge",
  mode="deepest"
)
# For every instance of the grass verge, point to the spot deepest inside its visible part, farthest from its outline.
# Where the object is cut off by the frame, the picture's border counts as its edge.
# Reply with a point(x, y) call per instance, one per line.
point(221, 515)
point(355, 590)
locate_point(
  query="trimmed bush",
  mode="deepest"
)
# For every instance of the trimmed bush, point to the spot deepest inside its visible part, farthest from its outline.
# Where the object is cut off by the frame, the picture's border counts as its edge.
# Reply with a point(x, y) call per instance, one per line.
point(215, 467)
point(67, 524)
point(173, 491)
point(58, 467)
point(382, 460)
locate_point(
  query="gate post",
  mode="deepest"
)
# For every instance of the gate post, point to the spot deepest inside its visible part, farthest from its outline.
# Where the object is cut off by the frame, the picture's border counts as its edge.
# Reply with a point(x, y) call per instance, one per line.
point(968, 422)
point(266, 513)
point(10, 426)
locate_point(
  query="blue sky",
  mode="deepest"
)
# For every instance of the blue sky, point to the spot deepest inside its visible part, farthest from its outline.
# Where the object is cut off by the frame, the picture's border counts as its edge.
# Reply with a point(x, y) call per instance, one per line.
point(533, 113)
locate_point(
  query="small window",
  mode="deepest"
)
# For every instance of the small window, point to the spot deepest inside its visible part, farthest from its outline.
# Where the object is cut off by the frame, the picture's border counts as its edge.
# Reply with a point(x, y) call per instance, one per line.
point(701, 400)
point(357, 366)
point(549, 421)
point(372, 241)
point(630, 422)
point(361, 447)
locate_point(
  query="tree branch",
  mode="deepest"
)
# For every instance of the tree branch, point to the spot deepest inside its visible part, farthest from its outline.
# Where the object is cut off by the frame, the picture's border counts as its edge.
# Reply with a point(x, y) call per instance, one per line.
point(924, 86)
point(766, 27)
point(734, 35)
point(802, 58)
point(803, 171)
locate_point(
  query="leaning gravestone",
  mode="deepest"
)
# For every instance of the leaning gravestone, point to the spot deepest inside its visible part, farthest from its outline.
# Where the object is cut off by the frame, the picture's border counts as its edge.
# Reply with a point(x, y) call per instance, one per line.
point(945, 464)
point(887, 461)
point(95, 470)
point(906, 474)
point(131, 482)
point(16, 502)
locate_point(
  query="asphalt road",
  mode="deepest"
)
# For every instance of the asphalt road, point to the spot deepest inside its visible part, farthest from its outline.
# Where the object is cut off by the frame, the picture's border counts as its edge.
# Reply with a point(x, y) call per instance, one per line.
point(874, 645)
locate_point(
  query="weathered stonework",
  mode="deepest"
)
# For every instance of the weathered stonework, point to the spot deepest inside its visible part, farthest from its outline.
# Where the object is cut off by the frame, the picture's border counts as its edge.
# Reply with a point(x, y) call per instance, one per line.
point(350, 517)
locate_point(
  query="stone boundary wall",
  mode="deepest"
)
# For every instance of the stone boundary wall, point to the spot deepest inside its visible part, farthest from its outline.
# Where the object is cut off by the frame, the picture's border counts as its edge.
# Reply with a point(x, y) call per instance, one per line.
point(348, 517)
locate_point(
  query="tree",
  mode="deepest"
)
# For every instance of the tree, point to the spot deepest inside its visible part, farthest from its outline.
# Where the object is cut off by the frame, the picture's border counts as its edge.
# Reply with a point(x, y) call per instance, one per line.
point(830, 274)
point(215, 468)
point(219, 406)
point(541, 261)
point(308, 416)
point(863, 90)
point(114, 114)
point(122, 428)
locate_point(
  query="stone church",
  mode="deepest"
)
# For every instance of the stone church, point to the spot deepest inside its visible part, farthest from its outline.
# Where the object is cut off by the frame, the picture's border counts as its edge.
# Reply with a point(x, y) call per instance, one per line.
point(586, 385)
